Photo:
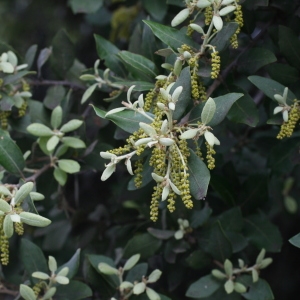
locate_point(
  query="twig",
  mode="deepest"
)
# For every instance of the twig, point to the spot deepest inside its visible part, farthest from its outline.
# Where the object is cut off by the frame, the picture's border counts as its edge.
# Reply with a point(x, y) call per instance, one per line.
point(38, 173)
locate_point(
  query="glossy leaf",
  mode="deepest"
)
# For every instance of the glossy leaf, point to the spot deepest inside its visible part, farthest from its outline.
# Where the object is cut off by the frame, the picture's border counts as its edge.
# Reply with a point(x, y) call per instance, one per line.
point(204, 287)
point(199, 176)
point(11, 157)
point(156, 8)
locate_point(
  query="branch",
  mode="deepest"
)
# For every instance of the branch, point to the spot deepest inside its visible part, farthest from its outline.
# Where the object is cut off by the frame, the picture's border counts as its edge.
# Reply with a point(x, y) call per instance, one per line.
point(38, 173)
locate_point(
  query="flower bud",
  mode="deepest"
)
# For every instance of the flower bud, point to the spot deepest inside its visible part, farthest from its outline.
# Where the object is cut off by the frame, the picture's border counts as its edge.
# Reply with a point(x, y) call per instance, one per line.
point(180, 17)
point(187, 55)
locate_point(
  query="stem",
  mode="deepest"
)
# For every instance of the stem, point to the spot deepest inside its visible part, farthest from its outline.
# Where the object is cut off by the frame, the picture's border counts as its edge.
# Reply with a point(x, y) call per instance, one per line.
point(58, 82)
point(206, 39)
point(38, 173)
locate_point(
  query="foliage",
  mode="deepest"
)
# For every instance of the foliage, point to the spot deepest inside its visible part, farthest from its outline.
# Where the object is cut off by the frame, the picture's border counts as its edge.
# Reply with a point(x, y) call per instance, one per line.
point(180, 91)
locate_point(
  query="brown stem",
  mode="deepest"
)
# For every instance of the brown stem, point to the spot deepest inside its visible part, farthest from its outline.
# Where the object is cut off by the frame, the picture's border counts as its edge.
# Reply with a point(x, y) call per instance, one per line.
point(38, 173)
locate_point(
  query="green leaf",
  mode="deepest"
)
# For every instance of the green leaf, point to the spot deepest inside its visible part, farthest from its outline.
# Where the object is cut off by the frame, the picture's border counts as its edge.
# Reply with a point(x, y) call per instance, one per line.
point(253, 59)
point(184, 99)
point(71, 125)
point(295, 240)
point(39, 130)
point(72, 264)
point(176, 3)
point(223, 104)
point(259, 290)
point(137, 272)
point(199, 176)
point(128, 120)
point(73, 142)
point(203, 287)
point(232, 219)
point(208, 111)
point(4, 206)
point(171, 36)
point(108, 52)
point(159, 233)
point(27, 293)
point(33, 259)
point(200, 217)
point(112, 280)
point(89, 91)
point(56, 117)
point(34, 219)
point(198, 259)
point(23, 192)
point(262, 233)
point(54, 96)
point(238, 241)
point(75, 290)
point(145, 244)
point(244, 111)
point(9, 79)
point(8, 226)
point(215, 242)
point(69, 165)
point(139, 66)
point(30, 55)
point(86, 7)
point(156, 8)
point(62, 59)
point(289, 45)
point(283, 73)
point(270, 87)
point(11, 157)
point(60, 176)
point(52, 143)
point(222, 40)
point(140, 86)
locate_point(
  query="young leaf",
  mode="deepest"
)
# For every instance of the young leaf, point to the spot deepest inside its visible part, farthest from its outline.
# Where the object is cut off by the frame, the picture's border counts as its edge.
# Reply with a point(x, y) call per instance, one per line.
point(8, 226)
point(56, 117)
point(208, 111)
point(40, 130)
point(72, 265)
point(71, 126)
point(73, 142)
point(23, 192)
point(27, 293)
point(60, 176)
point(68, 165)
point(34, 220)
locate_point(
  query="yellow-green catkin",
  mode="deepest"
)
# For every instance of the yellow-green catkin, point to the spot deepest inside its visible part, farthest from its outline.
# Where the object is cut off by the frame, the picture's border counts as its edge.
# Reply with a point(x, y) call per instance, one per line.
point(171, 201)
point(156, 195)
point(4, 118)
point(19, 228)
point(287, 128)
point(202, 91)
point(195, 86)
point(189, 30)
point(215, 64)
point(4, 244)
point(158, 161)
point(208, 15)
point(138, 180)
point(198, 150)
point(22, 109)
point(25, 86)
point(238, 19)
point(37, 288)
point(209, 156)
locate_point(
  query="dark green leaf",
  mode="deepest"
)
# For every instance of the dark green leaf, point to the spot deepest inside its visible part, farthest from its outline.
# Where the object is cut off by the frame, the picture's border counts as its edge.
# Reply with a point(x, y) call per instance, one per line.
point(140, 86)
point(289, 45)
point(223, 104)
point(176, 2)
point(86, 7)
point(170, 36)
point(9, 79)
point(295, 240)
point(283, 73)
point(203, 287)
point(128, 120)
point(108, 52)
point(262, 233)
point(244, 111)
point(139, 66)
point(54, 96)
point(62, 60)
point(222, 39)
point(215, 242)
point(221, 294)
point(270, 87)
point(160, 233)
point(200, 217)
point(145, 244)
point(259, 290)
point(33, 259)
point(198, 259)
point(11, 157)
point(184, 99)
point(156, 8)
point(199, 176)
point(72, 264)
point(238, 241)
point(137, 272)
point(232, 219)
point(253, 59)
point(30, 55)
point(75, 290)
point(112, 280)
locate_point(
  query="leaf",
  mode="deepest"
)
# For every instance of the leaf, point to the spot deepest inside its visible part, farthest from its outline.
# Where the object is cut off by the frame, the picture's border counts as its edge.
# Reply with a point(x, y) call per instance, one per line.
point(156, 8)
point(215, 242)
point(203, 287)
point(86, 7)
point(8, 226)
point(73, 142)
point(89, 91)
point(27, 293)
point(140, 66)
point(75, 290)
point(42, 58)
point(237, 240)
point(270, 87)
point(34, 219)
point(198, 259)
point(69, 165)
point(253, 59)
point(140, 86)
point(295, 240)
point(108, 52)
point(222, 40)
point(223, 104)
point(283, 73)
point(199, 176)
point(259, 290)
point(208, 111)
point(137, 272)
point(72, 264)
point(60, 176)
point(244, 111)
point(145, 244)
point(55, 94)
point(32, 258)
point(232, 219)
point(11, 157)
point(62, 59)
point(184, 99)
point(39, 130)
point(262, 233)
point(171, 36)
point(200, 217)
point(30, 56)
point(128, 120)
point(289, 45)
point(9, 79)
point(161, 234)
